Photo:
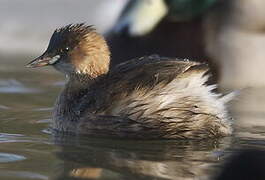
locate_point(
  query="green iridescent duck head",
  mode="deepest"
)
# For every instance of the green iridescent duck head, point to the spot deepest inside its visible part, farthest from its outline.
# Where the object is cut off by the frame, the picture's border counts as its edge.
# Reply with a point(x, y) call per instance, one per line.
point(184, 10)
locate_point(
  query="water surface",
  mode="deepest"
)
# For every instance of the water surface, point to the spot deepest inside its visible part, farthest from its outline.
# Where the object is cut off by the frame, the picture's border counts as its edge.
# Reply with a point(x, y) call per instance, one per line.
point(29, 151)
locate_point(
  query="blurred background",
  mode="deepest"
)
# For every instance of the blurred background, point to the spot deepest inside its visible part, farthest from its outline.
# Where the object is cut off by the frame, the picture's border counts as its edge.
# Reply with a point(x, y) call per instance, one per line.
point(229, 35)
point(26, 26)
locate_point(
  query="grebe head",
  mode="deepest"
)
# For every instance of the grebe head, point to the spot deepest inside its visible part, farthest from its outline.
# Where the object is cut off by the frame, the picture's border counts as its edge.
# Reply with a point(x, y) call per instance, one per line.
point(76, 49)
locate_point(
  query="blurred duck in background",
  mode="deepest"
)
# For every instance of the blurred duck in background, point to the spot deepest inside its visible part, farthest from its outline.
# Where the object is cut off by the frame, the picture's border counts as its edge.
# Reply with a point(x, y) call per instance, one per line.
point(165, 27)
point(142, 16)
point(235, 38)
point(228, 33)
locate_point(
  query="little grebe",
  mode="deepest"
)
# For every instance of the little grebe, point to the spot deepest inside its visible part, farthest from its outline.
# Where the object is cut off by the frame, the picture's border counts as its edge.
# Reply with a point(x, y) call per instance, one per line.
point(149, 97)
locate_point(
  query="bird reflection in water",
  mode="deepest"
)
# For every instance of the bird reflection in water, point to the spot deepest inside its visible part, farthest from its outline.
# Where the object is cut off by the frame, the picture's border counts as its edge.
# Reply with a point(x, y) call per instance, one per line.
point(117, 159)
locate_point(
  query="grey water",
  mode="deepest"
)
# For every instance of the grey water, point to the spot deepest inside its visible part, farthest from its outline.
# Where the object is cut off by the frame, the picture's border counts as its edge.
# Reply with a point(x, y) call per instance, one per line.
point(29, 151)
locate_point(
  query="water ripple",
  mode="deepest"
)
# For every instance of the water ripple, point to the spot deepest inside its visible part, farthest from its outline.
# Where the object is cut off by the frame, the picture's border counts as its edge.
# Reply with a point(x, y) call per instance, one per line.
point(23, 174)
point(7, 157)
point(4, 107)
point(14, 86)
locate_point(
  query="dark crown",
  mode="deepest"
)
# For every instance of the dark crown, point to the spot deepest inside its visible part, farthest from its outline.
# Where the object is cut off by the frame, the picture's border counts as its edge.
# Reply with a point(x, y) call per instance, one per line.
point(70, 35)
point(78, 29)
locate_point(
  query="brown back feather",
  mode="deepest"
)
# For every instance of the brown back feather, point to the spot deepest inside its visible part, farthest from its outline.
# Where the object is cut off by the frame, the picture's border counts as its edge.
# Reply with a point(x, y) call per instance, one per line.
point(141, 74)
